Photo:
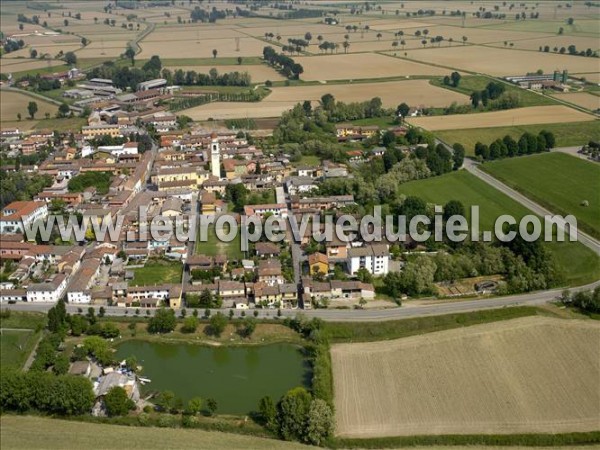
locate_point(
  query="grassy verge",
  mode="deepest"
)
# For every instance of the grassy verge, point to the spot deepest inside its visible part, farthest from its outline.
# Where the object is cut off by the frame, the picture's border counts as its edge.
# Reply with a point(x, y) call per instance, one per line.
point(265, 333)
point(567, 134)
point(30, 432)
point(339, 332)
point(22, 319)
point(557, 181)
point(532, 440)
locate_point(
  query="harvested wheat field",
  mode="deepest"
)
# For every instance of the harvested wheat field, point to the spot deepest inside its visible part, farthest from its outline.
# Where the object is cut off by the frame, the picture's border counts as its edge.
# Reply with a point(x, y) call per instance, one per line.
point(506, 62)
point(363, 65)
point(583, 99)
point(191, 48)
point(413, 92)
point(235, 110)
point(528, 375)
point(519, 116)
point(258, 73)
point(20, 65)
point(593, 77)
point(281, 99)
point(12, 103)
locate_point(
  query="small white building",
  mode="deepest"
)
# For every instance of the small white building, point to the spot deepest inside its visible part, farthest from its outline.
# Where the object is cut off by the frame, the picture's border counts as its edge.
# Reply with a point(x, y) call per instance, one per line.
point(373, 257)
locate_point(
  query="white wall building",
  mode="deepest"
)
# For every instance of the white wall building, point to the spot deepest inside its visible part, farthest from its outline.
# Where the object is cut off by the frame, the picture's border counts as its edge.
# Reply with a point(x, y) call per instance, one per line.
point(18, 215)
point(49, 292)
point(375, 258)
point(79, 289)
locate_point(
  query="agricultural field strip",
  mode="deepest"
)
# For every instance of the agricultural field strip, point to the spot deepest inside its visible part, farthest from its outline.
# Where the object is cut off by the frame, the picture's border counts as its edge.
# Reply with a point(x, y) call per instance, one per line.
point(506, 377)
point(519, 116)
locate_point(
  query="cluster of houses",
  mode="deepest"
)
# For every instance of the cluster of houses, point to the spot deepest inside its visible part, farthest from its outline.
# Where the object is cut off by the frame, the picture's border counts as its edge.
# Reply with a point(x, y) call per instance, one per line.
point(186, 173)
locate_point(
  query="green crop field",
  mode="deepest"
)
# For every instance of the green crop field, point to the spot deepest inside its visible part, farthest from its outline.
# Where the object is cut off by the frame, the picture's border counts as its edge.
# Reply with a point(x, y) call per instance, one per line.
point(557, 181)
point(27, 432)
point(158, 272)
point(567, 134)
point(579, 264)
point(15, 347)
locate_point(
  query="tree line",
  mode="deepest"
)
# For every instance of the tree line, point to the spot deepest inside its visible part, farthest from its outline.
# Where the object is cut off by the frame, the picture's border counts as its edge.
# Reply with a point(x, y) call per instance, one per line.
point(571, 50)
point(213, 78)
point(586, 301)
point(284, 63)
point(507, 147)
point(202, 15)
point(525, 266)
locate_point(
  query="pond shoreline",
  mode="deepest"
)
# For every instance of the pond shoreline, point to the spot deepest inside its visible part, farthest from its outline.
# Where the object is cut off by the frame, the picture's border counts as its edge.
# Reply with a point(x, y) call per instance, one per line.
point(236, 376)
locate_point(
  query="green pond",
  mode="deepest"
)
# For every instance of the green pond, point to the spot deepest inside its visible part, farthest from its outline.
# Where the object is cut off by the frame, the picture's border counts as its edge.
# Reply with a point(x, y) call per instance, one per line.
point(236, 377)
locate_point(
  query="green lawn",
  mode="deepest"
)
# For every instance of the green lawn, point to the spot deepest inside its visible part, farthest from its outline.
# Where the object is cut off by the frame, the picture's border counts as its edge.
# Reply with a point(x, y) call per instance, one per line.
point(381, 122)
point(66, 124)
point(21, 319)
point(578, 263)
point(158, 272)
point(557, 181)
point(213, 246)
point(15, 347)
point(567, 134)
point(470, 83)
point(309, 160)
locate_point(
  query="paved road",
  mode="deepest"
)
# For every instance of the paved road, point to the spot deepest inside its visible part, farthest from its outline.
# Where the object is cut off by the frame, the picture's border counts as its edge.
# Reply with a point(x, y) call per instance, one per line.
point(473, 168)
point(574, 151)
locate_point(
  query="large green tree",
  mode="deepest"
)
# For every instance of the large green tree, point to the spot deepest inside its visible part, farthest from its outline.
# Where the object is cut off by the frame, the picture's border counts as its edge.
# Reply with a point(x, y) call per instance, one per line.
point(117, 402)
point(292, 412)
point(32, 108)
point(164, 321)
point(217, 323)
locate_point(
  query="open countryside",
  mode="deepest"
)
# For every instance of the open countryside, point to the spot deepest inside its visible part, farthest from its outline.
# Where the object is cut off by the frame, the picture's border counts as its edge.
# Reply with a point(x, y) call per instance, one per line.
point(15, 103)
point(513, 117)
point(452, 381)
point(564, 184)
point(567, 134)
point(282, 99)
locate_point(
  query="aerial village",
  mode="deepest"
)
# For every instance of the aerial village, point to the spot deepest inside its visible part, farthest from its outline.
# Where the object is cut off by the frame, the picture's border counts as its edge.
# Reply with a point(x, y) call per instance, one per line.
point(134, 153)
